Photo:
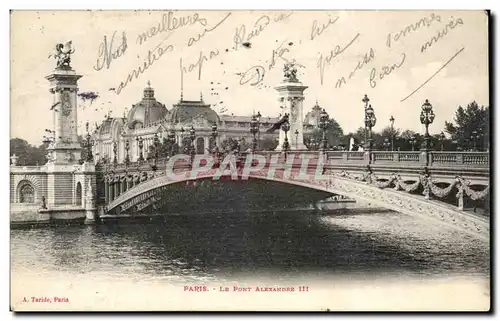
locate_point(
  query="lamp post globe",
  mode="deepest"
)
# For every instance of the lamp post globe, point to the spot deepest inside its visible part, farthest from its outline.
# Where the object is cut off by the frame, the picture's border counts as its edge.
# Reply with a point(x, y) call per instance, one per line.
point(323, 124)
point(254, 129)
point(370, 121)
point(286, 127)
point(426, 118)
point(391, 120)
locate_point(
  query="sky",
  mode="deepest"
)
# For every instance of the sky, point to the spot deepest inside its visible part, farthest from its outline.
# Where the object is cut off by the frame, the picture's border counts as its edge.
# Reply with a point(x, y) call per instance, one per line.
point(327, 46)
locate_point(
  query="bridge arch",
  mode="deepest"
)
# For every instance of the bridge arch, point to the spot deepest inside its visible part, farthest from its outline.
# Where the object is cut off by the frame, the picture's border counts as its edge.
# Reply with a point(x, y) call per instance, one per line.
point(27, 180)
point(26, 192)
point(405, 203)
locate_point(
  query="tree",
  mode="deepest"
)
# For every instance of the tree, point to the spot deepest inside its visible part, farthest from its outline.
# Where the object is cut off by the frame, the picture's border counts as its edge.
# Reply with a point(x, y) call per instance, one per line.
point(358, 135)
point(403, 141)
point(231, 144)
point(470, 127)
point(388, 133)
point(268, 144)
point(334, 134)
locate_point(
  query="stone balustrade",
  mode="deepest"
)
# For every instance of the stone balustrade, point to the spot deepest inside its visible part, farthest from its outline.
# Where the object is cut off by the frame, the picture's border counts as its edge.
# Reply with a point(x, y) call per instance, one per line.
point(431, 159)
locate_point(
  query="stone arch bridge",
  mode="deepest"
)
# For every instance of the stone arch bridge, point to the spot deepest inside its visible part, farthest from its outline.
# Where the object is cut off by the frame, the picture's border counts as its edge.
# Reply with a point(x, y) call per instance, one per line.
point(412, 183)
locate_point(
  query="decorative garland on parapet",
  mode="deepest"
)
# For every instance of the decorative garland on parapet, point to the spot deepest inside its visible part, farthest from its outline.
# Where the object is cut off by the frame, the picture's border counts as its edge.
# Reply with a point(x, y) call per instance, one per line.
point(474, 195)
point(424, 180)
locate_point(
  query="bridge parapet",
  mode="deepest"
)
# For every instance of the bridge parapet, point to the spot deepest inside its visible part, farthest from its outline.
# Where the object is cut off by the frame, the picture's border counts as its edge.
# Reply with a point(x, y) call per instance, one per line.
point(26, 169)
point(406, 171)
point(395, 159)
point(419, 195)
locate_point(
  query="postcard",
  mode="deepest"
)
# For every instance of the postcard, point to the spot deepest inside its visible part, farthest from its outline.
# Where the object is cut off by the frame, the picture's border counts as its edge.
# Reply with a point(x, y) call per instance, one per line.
point(321, 161)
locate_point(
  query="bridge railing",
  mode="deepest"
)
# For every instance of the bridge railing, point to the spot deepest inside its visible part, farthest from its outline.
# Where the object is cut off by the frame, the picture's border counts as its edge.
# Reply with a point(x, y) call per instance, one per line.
point(383, 158)
point(22, 169)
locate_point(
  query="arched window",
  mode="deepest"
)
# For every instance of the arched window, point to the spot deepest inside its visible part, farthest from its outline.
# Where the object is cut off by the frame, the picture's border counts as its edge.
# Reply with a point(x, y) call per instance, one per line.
point(78, 194)
point(27, 194)
point(186, 144)
point(200, 145)
point(211, 142)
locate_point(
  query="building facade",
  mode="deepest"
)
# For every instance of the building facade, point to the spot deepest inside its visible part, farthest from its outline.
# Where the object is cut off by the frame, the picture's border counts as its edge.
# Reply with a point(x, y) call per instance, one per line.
point(149, 117)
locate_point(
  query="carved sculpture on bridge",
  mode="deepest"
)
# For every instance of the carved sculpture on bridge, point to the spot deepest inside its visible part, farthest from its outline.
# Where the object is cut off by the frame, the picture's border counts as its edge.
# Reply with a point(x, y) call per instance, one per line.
point(63, 54)
point(290, 72)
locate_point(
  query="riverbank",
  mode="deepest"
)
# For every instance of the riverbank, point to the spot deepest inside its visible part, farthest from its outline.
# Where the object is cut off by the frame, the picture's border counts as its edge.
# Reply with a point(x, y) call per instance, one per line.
point(326, 208)
point(347, 261)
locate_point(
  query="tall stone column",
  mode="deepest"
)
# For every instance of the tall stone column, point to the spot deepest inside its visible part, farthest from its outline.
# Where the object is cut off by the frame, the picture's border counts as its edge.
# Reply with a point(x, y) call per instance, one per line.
point(291, 96)
point(111, 193)
point(106, 191)
point(65, 152)
point(63, 86)
point(206, 144)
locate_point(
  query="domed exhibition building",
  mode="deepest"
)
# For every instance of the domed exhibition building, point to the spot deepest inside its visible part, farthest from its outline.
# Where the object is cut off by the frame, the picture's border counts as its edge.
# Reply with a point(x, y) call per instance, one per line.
point(188, 124)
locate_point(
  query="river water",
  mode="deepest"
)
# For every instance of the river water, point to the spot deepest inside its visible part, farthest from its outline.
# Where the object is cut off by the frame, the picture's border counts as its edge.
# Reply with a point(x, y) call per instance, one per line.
point(319, 250)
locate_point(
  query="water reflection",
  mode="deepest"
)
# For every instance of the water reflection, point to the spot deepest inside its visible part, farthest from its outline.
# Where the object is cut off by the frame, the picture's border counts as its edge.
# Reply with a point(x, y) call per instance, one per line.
point(222, 246)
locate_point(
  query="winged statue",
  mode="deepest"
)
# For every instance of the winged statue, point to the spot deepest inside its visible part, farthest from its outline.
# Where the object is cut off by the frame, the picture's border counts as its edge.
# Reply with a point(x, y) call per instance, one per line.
point(290, 72)
point(278, 124)
point(63, 54)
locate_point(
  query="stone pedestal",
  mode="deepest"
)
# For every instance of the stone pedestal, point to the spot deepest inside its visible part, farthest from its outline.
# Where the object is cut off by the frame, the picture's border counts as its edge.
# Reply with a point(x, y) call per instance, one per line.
point(291, 96)
point(69, 183)
point(63, 86)
point(90, 215)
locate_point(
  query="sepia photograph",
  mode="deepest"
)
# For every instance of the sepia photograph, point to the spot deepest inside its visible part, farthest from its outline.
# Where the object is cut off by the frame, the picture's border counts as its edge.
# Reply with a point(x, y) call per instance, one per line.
point(250, 160)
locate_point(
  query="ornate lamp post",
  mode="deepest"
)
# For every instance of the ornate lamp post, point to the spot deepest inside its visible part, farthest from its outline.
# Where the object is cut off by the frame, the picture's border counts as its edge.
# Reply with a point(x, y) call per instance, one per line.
point(115, 152)
point(366, 100)
point(323, 124)
point(237, 146)
point(313, 144)
point(88, 144)
point(426, 118)
point(254, 129)
point(156, 145)
point(370, 121)
point(442, 137)
point(286, 127)
point(48, 141)
point(392, 133)
point(480, 139)
point(140, 143)
point(214, 134)
point(192, 136)
point(258, 126)
point(171, 140)
point(475, 137)
point(296, 139)
point(387, 144)
point(412, 141)
point(127, 157)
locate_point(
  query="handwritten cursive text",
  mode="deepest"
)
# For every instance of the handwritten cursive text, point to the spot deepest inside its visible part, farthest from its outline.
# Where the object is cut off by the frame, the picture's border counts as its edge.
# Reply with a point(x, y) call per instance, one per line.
point(255, 75)
point(169, 22)
point(323, 61)
point(199, 63)
point(241, 35)
point(412, 28)
point(317, 31)
point(451, 25)
point(152, 56)
point(386, 71)
point(107, 52)
point(198, 37)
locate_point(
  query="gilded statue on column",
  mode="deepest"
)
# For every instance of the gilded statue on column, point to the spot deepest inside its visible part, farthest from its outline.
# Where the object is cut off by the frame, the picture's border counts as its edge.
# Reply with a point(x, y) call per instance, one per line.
point(62, 54)
point(290, 72)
